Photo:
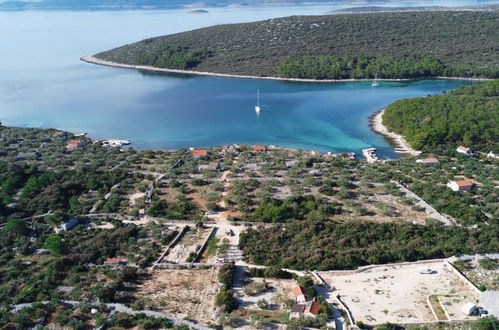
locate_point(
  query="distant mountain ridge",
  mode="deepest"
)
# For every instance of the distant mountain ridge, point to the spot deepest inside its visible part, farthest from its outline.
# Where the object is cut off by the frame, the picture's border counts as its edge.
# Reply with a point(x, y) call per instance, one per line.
point(146, 4)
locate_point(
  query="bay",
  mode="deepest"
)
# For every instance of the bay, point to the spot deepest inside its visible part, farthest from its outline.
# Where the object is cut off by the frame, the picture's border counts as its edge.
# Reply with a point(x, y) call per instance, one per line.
point(44, 84)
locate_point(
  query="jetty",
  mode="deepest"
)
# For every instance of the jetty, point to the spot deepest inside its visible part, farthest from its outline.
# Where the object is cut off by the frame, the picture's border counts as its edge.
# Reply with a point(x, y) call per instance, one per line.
point(115, 143)
point(370, 154)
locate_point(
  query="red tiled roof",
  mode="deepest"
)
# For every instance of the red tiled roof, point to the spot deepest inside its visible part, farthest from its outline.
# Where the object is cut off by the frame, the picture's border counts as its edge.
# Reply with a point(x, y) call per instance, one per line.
point(200, 152)
point(297, 291)
point(315, 152)
point(258, 148)
point(225, 147)
point(114, 260)
point(312, 307)
point(464, 183)
point(74, 143)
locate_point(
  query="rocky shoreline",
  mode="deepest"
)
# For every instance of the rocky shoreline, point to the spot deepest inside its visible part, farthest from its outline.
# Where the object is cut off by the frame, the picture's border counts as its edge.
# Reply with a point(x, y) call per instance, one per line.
point(399, 142)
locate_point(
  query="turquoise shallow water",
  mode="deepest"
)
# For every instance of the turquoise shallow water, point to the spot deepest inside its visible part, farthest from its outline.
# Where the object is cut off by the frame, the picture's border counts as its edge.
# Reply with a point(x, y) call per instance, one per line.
point(43, 84)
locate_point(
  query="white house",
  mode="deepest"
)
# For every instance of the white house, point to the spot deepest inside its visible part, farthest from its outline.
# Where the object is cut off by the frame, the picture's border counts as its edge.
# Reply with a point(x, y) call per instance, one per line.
point(464, 150)
point(460, 185)
point(427, 161)
point(68, 225)
point(299, 294)
point(492, 155)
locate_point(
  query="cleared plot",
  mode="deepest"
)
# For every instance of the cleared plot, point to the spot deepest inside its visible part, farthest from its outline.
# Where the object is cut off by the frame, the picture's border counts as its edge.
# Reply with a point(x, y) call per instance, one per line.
point(185, 293)
point(398, 294)
point(277, 292)
point(188, 245)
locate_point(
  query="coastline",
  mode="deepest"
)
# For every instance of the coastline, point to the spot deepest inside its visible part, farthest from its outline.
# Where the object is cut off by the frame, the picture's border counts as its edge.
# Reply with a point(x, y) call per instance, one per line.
point(93, 60)
point(398, 141)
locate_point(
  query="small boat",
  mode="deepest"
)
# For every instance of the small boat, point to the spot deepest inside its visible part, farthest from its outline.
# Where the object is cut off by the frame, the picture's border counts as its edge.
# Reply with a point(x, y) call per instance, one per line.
point(257, 107)
point(375, 81)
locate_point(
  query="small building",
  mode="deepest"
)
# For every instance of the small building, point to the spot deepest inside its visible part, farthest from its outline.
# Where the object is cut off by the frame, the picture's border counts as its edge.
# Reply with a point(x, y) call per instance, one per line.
point(312, 309)
point(115, 262)
point(460, 185)
point(427, 161)
point(307, 309)
point(73, 144)
point(258, 148)
point(492, 155)
point(62, 135)
point(464, 150)
point(299, 294)
point(199, 153)
point(226, 148)
point(315, 153)
point(68, 225)
point(469, 309)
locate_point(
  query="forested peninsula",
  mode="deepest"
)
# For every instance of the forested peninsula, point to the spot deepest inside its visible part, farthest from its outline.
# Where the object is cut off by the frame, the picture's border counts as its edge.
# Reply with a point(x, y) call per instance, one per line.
point(398, 45)
point(466, 116)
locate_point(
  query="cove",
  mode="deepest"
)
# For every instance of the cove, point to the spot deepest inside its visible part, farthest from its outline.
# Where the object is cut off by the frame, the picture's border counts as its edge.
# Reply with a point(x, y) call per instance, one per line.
point(44, 84)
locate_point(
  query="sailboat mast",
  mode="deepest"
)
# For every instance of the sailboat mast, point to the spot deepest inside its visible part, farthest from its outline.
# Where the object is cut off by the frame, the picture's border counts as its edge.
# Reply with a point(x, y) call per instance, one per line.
point(258, 97)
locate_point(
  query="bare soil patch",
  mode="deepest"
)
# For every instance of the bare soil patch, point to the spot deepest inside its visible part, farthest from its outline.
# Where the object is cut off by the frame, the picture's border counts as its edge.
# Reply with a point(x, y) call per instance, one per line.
point(398, 294)
point(184, 293)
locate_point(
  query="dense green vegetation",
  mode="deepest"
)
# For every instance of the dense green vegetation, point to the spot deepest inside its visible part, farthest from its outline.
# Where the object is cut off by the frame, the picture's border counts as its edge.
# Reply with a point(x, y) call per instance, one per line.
point(225, 296)
point(166, 56)
point(38, 174)
point(322, 246)
point(467, 116)
point(355, 67)
point(335, 46)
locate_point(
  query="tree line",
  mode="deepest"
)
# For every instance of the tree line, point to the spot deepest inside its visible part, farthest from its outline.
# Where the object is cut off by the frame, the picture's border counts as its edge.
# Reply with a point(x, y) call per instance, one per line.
point(321, 245)
point(467, 116)
point(357, 67)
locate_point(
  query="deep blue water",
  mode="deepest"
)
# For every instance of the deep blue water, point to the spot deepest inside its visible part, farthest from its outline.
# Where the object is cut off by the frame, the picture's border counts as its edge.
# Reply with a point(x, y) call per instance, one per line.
point(44, 84)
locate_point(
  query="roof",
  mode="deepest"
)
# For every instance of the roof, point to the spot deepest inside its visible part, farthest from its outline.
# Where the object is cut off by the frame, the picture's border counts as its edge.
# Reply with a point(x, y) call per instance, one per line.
point(315, 152)
point(74, 143)
point(225, 147)
point(201, 152)
point(464, 183)
point(312, 307)
point(114, 260)
point(427, 160)
point(298, 291)
point(258, 148)
point(461, 148)
point(297, 308)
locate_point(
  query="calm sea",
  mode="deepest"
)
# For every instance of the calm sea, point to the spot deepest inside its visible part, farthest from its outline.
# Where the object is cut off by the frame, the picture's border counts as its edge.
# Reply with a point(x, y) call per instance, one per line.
point(44, 84)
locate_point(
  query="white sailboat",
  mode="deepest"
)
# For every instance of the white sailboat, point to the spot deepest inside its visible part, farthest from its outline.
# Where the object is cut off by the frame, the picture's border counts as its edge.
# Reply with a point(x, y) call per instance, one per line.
point(375, 82)
point(257, 107)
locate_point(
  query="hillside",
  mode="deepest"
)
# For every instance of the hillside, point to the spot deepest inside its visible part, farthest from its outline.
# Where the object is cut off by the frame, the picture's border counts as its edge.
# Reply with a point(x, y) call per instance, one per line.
point(468, 116)
point(393, 45)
